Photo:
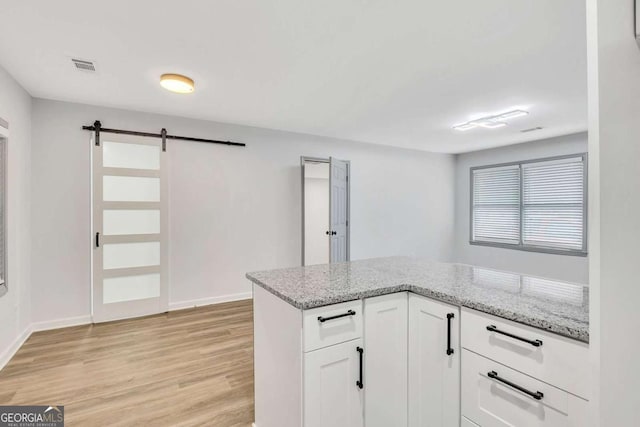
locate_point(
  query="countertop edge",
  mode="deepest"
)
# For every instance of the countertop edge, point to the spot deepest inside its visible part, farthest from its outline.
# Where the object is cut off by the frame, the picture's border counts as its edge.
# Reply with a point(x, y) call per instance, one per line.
point(544, 325)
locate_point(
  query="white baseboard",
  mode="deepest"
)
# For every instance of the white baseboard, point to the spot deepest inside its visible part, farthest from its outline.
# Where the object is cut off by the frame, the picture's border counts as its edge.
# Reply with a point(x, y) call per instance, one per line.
point(208, 301)
point(60, 323)
point(6, 356)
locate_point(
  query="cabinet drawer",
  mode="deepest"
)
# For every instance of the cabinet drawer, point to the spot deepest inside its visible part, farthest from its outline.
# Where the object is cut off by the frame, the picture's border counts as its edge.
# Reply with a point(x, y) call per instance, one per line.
point(548, 357)
point(332, 324)
point(491, 398)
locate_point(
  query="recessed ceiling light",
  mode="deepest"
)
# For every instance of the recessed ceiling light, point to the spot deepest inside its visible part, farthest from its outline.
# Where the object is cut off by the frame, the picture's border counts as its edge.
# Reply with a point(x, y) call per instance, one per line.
point(177, 83)
point(491, 122)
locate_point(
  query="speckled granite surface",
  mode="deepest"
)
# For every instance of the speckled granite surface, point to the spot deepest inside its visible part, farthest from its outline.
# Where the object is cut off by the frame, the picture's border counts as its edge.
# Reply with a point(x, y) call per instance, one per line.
point(562, 308)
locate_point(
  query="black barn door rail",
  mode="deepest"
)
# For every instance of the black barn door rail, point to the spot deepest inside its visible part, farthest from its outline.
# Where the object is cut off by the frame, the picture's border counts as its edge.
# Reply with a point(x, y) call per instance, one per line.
point(98, 129)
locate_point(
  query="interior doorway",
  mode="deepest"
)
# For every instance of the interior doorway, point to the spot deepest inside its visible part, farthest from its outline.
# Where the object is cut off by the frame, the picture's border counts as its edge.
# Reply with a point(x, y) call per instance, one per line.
point(325, 210)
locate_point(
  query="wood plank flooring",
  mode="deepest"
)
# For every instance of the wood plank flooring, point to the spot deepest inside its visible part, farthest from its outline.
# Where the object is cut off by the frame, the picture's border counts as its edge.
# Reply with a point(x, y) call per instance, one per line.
point(184, 368)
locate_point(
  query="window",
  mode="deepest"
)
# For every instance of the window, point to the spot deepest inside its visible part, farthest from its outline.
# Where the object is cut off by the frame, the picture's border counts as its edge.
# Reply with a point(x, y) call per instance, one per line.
point(537, 205)
point(3, 216)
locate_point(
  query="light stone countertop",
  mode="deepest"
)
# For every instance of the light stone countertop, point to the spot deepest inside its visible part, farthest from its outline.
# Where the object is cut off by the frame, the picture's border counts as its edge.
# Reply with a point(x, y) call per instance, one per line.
point(558, 307)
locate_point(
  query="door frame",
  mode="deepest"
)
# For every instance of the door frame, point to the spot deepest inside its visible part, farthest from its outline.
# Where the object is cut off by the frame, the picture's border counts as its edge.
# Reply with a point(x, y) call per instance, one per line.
point(303, 160)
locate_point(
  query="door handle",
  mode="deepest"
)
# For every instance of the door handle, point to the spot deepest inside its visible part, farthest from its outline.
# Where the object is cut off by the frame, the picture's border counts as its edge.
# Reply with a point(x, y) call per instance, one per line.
point(359, 383)
point(449, 349)
point(97, 239)
point(535, 343)
point(538, 395)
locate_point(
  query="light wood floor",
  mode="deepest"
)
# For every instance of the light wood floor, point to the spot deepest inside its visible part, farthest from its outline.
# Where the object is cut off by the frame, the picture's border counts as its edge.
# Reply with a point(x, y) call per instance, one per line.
point(185, 368)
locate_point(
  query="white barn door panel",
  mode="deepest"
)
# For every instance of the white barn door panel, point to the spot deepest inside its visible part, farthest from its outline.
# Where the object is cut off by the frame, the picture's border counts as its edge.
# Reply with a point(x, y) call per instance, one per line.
point(130, 225)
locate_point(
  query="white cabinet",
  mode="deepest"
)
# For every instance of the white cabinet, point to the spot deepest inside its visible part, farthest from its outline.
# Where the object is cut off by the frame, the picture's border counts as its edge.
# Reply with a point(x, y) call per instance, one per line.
point(434, 363)
point(332, 397)
point(494, 395)
point(422, 363)
point(385, 357)
point(332, 324)
point(516, 375)
point(551, 358)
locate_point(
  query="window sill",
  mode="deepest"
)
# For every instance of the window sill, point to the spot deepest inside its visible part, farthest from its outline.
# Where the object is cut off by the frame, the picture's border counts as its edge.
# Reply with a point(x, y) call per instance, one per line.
point(551, 251)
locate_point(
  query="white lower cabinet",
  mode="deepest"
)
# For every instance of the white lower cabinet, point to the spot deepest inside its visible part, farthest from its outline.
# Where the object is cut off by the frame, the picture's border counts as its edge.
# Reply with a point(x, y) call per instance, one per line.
point(385, 360)
point(403, 360)
point(494, 395)
point(434, 363)
point(332, 395)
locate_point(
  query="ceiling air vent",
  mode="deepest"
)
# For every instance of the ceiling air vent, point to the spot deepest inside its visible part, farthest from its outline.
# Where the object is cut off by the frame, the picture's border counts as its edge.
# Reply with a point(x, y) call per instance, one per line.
point(83, 65)
point(531, 129)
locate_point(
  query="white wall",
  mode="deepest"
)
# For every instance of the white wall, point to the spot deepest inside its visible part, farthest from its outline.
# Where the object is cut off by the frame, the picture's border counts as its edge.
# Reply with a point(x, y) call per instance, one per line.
point(316, 213)
point(562, 267)
point(15, 107)
point(614, 144)
point(233, 210)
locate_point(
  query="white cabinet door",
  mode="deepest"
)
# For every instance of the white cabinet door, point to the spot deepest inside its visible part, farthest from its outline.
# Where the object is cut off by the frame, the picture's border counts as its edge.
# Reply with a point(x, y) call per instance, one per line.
point(434, 363)
point(385, 360)
point(332, 397)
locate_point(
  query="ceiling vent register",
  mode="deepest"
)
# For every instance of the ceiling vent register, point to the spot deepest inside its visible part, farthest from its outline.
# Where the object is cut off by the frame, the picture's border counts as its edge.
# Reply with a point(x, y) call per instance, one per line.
point(83, 65)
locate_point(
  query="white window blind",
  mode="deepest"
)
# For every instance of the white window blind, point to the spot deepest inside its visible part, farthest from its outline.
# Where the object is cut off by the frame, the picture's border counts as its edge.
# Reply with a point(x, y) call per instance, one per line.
point(496, 204)
point(553, 203)
point(533, 205)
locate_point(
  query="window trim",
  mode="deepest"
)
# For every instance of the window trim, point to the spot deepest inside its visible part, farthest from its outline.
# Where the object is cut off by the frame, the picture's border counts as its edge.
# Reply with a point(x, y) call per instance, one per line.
point(4, 141)
point(533, 248)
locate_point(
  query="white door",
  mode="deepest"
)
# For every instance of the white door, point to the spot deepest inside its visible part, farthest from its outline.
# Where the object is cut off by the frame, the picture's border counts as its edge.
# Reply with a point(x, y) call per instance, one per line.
point(434, 363)
point(339, 209)
point(332, 396)
point(385, 360)
point(129, 227)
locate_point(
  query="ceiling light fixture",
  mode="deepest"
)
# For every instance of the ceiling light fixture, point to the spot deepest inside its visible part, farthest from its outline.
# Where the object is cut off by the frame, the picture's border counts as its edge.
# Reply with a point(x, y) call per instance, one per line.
point(177, 83)
point(491, 122)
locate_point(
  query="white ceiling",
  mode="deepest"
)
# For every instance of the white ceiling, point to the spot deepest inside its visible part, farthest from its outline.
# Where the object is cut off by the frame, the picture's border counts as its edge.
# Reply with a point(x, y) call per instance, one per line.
point(388, 72)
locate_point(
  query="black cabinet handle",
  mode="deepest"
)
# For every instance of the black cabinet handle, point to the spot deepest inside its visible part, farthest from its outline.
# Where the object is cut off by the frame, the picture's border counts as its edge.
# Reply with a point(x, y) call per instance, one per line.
point(359, 383)
point(535, 343)
point(449, 349)
point(98, 239)
point(538, 395)
point(333, 233)
point(327, 232)
point(337, 316)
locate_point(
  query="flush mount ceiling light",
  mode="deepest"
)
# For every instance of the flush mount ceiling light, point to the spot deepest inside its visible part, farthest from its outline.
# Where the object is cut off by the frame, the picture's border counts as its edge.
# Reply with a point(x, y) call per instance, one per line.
point(491, 122)
point(177, 83)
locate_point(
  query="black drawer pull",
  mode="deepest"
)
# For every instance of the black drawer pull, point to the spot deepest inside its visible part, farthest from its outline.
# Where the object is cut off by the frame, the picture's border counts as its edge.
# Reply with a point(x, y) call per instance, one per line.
point(538, 395)
point(359, 383)
point(535, 343)
point(449, 349)
point(337, 316)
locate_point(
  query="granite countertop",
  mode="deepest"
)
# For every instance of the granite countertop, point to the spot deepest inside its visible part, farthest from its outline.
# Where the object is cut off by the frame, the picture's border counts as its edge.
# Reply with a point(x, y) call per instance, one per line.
point(558, 307)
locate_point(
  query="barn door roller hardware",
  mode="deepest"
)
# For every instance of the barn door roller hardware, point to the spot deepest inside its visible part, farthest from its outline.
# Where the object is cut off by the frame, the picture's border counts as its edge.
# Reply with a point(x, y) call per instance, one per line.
point(98, 129)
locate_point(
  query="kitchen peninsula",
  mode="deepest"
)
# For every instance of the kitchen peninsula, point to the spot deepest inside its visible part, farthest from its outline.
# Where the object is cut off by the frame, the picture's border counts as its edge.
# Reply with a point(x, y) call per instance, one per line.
point(408, 342)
